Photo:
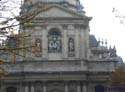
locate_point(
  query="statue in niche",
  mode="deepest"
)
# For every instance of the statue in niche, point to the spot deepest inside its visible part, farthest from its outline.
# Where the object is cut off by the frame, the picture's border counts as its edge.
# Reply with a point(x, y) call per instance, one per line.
point(71, 45)
point(38, 45)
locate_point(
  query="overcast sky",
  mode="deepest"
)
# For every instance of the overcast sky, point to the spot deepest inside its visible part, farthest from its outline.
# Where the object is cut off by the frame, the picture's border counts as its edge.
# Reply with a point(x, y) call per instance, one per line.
point(104, 23)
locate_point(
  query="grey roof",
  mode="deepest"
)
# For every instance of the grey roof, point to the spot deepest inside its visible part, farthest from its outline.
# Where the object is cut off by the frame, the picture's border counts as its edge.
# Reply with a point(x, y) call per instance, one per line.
point(93, 41)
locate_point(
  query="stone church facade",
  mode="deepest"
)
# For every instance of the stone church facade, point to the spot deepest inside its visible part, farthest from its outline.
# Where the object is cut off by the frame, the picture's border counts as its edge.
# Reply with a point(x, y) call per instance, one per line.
point(59, 54)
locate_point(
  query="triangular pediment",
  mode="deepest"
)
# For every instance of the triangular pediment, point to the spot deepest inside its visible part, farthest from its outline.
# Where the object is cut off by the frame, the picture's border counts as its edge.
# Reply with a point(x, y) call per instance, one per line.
point(56, 11)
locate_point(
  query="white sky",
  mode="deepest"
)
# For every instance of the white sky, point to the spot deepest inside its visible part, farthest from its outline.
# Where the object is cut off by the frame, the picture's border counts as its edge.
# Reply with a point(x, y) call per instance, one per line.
point(104, 23)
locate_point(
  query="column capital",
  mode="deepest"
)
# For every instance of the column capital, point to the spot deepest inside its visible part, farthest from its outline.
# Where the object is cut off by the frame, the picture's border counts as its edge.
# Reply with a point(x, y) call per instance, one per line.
point(78, 82)
point(66, 82)
point(44, 82)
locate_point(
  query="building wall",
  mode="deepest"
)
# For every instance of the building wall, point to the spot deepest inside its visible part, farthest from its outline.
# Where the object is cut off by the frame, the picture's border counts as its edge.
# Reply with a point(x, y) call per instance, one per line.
point(52, 86)
point(78, 34)
point(44, 67)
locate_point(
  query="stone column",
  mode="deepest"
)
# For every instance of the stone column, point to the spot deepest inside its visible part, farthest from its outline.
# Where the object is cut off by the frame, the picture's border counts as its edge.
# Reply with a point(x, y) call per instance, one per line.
point(32, 88)
point(65, 44)
point(66, 87)
point(84, 88)
point(44, 43)
point(77, 43)
point(78, 87)
point(82, 44)
point(87, 50)
point(44, 87)
point(26, 87)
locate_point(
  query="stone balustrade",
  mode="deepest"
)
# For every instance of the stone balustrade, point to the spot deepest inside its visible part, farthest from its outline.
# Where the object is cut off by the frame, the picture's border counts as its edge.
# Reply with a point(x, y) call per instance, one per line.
point(59, 66)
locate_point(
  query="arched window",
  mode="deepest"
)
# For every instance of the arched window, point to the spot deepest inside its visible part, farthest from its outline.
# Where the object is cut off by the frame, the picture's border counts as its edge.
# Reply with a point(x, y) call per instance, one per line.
point(54, 41)
point(11, 89)
point(54, 32)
